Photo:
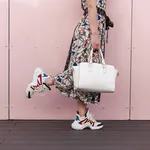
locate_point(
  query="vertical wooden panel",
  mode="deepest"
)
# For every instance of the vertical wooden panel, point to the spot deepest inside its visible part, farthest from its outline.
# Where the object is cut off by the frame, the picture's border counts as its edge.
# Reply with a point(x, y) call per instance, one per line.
point(141, 65)
point(3, 60)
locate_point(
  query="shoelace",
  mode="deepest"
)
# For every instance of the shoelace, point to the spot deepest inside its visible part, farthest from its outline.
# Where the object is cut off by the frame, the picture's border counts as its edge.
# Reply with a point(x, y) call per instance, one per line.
point(91, 117)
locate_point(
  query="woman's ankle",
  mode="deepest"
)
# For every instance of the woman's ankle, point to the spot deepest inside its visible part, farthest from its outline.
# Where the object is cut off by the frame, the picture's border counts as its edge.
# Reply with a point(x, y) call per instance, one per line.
point(50, 81)
point(81, 108)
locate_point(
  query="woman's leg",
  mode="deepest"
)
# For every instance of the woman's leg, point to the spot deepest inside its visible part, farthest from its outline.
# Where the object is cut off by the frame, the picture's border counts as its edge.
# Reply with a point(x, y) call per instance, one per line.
point(50, 81)
point(81, 108)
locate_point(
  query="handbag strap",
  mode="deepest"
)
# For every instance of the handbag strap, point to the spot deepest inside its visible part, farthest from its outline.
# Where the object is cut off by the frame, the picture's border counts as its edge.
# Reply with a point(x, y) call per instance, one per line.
point(101, 54)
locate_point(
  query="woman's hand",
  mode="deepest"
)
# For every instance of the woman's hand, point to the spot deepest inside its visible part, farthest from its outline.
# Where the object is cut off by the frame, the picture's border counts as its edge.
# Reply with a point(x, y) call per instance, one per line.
point(95, 40)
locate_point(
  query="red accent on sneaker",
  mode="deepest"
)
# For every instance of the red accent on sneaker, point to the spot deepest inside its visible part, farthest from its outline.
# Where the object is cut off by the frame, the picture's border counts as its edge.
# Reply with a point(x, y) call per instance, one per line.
point(40, 79)
point(83, 121)
point(34, 86)
point(39, 82)
point(87, 120)
point(92, 123)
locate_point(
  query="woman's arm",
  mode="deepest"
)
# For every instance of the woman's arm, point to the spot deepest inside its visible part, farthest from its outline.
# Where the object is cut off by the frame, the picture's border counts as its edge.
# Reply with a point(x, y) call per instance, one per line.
point(92, 16)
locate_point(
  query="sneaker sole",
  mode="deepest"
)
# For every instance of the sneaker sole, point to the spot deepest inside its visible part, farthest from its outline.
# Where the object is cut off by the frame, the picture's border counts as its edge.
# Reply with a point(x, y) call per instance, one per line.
point(84, 127)
point(97, 128)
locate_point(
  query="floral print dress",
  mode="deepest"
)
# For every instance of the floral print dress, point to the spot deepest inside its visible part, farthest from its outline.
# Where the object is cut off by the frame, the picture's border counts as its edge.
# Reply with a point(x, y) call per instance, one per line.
point(79, 52)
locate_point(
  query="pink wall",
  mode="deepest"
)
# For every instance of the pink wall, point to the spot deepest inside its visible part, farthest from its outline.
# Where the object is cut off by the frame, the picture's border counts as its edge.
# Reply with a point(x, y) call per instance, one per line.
point(41, 36)
point(141, 57)
point(3, 60)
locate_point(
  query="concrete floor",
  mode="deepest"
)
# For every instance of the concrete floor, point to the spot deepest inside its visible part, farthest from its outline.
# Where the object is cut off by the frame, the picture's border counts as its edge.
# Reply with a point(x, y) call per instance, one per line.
point(57, 135)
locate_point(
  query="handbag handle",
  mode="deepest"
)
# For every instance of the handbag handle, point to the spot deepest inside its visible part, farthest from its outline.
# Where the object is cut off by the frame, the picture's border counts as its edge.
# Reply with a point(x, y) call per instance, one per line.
point(101, 54)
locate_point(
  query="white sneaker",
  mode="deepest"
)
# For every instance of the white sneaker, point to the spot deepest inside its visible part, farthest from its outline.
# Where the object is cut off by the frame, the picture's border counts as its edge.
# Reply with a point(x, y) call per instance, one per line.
point(86, 121)
point(37, 84)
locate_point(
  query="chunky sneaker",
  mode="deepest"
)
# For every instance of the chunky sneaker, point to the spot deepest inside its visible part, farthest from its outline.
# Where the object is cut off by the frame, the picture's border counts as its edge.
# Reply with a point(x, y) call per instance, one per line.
point(37, 84)
point(86, 121)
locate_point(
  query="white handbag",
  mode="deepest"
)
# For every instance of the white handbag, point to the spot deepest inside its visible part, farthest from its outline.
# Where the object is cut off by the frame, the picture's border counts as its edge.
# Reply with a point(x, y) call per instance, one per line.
point(94, 77)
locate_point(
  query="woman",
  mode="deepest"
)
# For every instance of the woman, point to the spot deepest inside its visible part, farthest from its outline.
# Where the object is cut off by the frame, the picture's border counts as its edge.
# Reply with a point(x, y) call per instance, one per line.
point(89, 34)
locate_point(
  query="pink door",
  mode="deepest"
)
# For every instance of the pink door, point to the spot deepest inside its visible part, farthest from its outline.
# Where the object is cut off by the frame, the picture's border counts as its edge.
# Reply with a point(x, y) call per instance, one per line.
point(41, 33)
point(3, 60)
point(141, 64)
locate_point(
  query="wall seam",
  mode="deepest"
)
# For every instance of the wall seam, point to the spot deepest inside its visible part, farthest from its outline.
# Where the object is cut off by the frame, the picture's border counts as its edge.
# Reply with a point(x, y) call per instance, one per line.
point(8, 59)
point(131, 57)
